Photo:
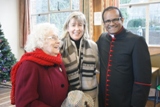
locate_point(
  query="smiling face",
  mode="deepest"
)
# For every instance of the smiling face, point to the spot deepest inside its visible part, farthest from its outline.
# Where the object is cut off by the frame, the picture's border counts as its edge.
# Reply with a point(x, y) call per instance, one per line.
point(112, 21)
point(51, 44)
point(75, 29)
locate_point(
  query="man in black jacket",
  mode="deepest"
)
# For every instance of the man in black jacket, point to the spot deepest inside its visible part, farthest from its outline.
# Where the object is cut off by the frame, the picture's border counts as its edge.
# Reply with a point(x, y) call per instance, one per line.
point(125, 67)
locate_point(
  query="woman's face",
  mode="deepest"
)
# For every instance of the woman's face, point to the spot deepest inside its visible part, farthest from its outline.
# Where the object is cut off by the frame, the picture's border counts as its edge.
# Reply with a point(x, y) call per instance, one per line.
point(75, 29)
point(52, 44)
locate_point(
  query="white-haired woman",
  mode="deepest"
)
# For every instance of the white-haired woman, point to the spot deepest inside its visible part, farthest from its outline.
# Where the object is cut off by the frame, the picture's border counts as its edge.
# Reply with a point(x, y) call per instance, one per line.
point(80, 55)
point(39, 79)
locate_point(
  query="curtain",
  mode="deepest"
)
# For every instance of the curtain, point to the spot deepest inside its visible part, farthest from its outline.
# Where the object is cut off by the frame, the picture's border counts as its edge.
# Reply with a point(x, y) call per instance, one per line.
point(87, 9)
point(24, 21)
point(107, 3)
point(90, 24)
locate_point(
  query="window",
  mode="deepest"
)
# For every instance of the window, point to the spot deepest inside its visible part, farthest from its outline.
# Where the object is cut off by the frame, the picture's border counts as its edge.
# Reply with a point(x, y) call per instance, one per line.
point(52, 11)
point(143, 18)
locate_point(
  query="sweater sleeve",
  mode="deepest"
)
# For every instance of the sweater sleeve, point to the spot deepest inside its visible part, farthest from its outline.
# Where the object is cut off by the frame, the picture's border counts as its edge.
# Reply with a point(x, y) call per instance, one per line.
point(97, 58)
point(142, 73)
point(95, 49)
point(26, 94)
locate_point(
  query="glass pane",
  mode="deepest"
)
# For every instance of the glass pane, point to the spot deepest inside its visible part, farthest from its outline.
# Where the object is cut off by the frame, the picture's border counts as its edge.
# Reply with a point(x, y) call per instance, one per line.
point(132, 1)
point(154, 24)
point(39, 6)
point(134, 19)
point(75, 4)
point(39, 19)
point(58, 19)
point(59, 4)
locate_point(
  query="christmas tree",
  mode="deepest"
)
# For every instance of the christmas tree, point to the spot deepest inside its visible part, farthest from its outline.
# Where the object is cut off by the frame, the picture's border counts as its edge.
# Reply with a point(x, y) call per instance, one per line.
point(7, 59)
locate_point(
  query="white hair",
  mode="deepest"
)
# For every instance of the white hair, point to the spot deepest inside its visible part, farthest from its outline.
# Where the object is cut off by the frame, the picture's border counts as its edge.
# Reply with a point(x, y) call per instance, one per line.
point(36, 38)
point(80, 17)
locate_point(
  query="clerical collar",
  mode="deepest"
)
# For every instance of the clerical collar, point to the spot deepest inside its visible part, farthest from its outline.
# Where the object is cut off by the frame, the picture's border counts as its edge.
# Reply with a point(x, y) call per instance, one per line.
point(112, 35)
point(119, 31)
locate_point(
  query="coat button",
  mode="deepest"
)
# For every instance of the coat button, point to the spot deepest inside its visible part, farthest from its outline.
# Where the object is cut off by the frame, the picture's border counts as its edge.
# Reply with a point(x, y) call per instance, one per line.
point(62, 85)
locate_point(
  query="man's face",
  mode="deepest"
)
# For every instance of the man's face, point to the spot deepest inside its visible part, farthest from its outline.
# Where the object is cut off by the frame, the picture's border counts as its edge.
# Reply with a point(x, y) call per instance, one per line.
point(112, 21)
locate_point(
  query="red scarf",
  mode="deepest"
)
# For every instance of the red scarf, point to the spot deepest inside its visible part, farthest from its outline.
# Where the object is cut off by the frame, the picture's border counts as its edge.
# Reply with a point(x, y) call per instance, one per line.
point(37, 56)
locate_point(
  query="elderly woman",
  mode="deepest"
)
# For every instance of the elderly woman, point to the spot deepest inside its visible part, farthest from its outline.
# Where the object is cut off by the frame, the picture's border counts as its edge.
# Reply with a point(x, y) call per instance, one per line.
point(39, 78)
point(80, 55)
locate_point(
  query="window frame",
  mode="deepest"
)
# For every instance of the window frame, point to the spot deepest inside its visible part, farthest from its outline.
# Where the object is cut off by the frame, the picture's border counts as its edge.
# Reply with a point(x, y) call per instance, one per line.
point(52, 12)
point(129, 5)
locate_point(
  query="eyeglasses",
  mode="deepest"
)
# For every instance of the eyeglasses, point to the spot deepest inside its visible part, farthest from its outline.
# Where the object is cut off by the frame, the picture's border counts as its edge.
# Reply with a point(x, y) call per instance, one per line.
point(113, 20)
point(53, 37)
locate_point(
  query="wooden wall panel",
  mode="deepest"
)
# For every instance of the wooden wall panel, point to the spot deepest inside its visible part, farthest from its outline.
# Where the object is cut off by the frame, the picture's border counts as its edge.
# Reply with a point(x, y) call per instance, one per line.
point(97, 29)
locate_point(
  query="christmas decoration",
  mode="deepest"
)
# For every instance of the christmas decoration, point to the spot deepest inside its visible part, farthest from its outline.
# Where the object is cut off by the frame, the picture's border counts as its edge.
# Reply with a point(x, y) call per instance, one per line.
point(7, 59)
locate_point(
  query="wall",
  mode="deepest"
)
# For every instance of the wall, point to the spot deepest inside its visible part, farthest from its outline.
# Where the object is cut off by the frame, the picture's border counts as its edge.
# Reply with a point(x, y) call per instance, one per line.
point(155, 60)
point(97, 29)
point(9, 19)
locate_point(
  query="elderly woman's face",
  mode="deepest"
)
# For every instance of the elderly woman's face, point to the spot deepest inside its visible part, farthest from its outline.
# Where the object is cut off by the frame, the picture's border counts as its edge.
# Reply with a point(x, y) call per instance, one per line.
point(75, 29)
point(52, 44)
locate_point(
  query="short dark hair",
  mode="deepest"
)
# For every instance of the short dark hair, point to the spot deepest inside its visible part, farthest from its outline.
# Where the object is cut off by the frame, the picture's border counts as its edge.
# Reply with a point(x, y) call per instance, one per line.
point(111, 8)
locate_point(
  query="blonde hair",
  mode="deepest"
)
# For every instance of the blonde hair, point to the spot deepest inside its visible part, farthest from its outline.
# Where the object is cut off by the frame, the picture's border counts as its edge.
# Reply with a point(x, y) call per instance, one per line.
point(80, 17)
point(37, 36)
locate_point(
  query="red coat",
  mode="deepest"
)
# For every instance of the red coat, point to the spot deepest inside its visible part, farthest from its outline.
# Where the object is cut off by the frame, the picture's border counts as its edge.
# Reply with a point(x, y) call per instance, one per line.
point(40, 86)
